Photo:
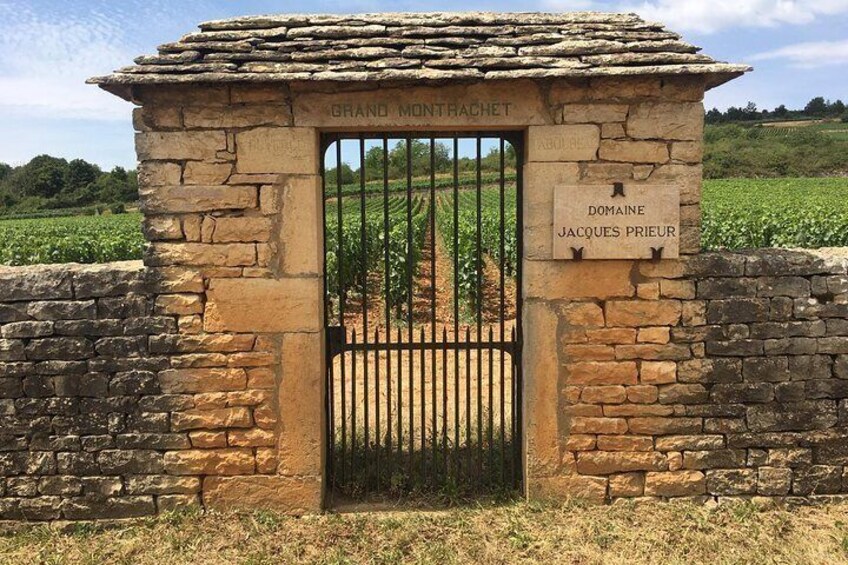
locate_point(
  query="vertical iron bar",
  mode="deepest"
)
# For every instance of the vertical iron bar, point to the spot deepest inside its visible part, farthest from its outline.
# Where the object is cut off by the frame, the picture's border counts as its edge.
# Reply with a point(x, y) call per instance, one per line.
point(518, 332)
point(490, 445)
point(456, 296)
point(479, 305)
point(377, 432)
point(502, 268)
point(422, 411)
point(386, 280)
point(434, 434)
point(444, 457)
point(400, 398)
point(365, 271)
point(353, 447)
point(469, 448)
point(342, 293)
point(409, 291)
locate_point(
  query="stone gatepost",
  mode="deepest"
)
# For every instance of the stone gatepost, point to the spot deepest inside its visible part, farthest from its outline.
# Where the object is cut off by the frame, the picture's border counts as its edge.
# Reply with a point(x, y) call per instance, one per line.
point(232, 196)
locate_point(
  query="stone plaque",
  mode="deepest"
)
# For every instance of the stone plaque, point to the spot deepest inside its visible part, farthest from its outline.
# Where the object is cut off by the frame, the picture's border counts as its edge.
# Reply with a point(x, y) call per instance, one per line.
point(620, 221)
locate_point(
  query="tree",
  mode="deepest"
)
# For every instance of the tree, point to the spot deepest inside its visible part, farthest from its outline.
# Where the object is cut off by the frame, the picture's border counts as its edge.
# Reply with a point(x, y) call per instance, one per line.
point(816, 107)
point(43, 177)
point(80, 174)
point(837, 108)
point(5, 171)
point(781, 111)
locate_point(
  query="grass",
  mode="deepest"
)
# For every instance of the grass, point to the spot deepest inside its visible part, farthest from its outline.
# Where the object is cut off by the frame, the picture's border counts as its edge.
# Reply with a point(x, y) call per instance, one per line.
point(672, 533)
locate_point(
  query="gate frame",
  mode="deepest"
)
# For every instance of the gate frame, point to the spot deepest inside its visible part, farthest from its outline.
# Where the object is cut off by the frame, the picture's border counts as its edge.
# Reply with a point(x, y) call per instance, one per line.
point(515, 136)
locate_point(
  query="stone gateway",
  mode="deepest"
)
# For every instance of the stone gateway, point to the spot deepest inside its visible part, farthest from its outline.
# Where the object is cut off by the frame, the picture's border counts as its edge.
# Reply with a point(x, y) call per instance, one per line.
point(199, 377)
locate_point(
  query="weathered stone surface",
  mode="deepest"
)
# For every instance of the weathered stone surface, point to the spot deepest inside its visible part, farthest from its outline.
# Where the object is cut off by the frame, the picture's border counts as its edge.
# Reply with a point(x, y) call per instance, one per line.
point(568, 487)
point(633, 151)
point(666, 120)
point(179, 145)
point(605, 463)
point(183, 199)
point(201, 254)
point(264, 305)
point(278, 150)
point(40, 283)
point(642, 312)
point(786, 416)
point(234, 461)
point(557, 280)
point(563, 143)
point(300, 231)
point(301, 442)
point(290, 495)
point(541, 373)
point(675, 483)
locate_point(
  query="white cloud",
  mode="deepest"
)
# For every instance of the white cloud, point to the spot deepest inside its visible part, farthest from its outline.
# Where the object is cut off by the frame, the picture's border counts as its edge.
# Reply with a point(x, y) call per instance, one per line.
point(45, 59)
point(710, 16)
point(809, 55)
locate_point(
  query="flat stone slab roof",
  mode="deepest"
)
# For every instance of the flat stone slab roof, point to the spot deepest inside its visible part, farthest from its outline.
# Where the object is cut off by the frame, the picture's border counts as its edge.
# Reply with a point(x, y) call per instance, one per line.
point(422, 47)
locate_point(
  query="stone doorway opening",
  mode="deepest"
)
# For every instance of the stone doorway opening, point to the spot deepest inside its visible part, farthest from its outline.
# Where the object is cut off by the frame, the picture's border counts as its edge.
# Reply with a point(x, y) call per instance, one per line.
point(422, 260)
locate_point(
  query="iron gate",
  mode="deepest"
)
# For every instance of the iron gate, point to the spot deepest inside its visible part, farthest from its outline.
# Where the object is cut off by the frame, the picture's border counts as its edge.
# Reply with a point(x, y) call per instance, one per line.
point(422, 285)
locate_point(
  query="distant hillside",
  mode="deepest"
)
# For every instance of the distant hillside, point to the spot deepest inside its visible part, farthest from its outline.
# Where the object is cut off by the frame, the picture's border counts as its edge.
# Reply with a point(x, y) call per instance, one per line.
point(49, 185)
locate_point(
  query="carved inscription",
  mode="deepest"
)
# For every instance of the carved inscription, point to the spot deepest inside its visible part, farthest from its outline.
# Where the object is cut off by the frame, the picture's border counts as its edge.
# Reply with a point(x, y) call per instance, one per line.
point(616, 222)
point(421, 110)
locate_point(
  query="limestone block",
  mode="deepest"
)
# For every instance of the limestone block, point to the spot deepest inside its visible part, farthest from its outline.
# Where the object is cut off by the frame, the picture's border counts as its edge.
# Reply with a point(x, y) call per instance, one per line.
point(666, 120)
point(541, 383)
point(164, 200)
point(588, 489)
point(687, 151)
point(236, 116)
point(633, 151)
point(162, 228)
point(264, 305)
point(301, 226)
point(625, 443)
point(225, 255)
point(178, 304)
point(675, 483)
point(244, 229)
point(230, 461)
point(557, 280)
point(180, 145)
point(290, 495)
point(159, 173)
point(601, 373)
point(637, 313)
point(238, 417)
point(563, 143)
point(277, 150)
point(203, 173)
point(594, 113)
point(658, 372)
point(301, 442)
point(201, 380)
point(608, 462)
point(627, 485)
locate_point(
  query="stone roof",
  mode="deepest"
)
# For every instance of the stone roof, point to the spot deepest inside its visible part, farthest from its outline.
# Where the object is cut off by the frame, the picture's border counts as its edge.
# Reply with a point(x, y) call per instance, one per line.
point(421, 47)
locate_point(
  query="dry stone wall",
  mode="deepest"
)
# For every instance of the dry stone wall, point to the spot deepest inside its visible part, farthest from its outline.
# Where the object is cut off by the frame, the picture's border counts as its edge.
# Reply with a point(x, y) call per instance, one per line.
point(727, 375)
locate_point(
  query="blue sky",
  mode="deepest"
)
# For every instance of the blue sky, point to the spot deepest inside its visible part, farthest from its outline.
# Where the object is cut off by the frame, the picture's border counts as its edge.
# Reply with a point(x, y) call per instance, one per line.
point(49, 47)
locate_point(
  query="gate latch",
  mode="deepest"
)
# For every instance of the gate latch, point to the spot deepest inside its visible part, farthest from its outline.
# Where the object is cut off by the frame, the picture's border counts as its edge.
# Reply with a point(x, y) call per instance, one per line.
point(335, 340)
